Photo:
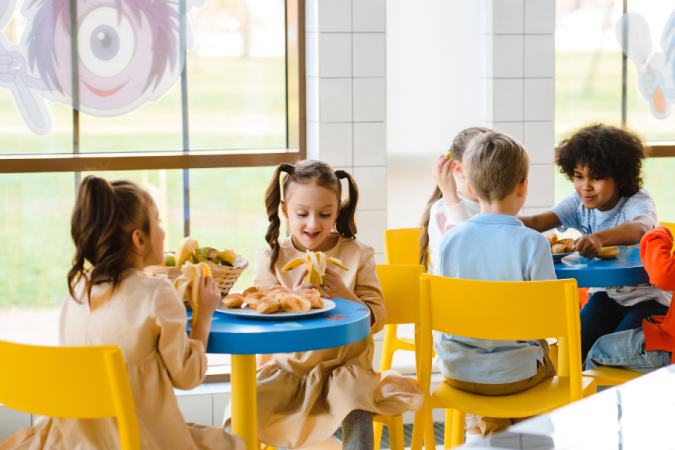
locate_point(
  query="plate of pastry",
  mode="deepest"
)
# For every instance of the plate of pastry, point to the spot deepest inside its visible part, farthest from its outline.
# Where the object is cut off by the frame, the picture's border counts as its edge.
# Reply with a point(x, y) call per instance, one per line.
point(275, 303)
point(560, 247)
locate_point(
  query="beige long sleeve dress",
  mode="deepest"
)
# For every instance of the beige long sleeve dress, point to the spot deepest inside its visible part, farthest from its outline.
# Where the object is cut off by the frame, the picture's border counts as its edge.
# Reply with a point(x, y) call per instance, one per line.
point(146, 319)
point(304, 397)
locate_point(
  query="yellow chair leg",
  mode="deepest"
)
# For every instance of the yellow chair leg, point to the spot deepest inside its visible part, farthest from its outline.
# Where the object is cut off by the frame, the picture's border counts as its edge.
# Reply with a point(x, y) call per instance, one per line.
point(244, 401)
point(447, 436)
point(419, 429)
point(388, 347)
point(458, 421)
point(396, 437)
point(377, 431)
point(429, 437)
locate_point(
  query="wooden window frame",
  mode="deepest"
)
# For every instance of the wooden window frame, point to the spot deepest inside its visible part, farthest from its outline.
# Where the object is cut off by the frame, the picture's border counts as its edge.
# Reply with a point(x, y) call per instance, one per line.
point(296, 130)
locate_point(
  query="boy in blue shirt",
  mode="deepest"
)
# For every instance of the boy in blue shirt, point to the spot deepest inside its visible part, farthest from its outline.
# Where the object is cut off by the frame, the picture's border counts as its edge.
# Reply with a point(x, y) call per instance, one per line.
point(495, 246)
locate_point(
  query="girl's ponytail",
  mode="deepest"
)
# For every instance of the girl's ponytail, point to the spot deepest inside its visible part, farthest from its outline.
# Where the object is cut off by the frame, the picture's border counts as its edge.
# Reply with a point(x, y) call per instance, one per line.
point(104, 218)
point(424, 229)
point(91, 225)
point(346, 222)
point(272, 202)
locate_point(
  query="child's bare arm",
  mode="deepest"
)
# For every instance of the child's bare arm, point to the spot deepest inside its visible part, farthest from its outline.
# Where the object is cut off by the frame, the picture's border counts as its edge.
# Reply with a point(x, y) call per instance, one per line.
point(541, 222)
point(628, 233)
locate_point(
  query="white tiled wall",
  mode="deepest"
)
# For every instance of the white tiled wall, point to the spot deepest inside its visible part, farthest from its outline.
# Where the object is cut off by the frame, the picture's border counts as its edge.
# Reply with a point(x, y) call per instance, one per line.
point(346, 100)
point(518, 68)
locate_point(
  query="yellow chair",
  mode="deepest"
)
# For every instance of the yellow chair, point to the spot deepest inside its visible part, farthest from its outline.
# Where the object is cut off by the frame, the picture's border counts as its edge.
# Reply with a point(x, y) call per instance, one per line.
point(69, 382)
point(400, 289)
point(504, 311)
point(611, 376)
point(402, 246)
point(670, 226)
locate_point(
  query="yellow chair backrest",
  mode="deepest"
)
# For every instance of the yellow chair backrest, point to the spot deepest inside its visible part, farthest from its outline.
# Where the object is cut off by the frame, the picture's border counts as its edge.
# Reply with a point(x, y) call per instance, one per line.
point(69, 382)
point(402, 246)
point(506, 311)
point(401, 292)
point(670, 226)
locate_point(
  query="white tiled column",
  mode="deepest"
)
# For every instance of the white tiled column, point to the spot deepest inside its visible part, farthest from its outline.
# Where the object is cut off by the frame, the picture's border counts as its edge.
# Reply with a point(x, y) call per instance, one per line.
point(346, 101)
point(518, 69)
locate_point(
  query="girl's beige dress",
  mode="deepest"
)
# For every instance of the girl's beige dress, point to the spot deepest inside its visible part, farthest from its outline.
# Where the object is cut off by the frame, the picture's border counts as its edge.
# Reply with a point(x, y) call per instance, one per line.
point(146, 319)
point(303, 397)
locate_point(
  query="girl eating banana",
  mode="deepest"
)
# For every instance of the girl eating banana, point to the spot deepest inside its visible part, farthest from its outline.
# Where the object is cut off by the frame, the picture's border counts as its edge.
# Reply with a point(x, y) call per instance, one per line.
point(304, 397)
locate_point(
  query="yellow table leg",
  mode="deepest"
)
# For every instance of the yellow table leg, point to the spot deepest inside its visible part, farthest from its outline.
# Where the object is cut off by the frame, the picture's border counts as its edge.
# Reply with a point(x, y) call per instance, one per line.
point(244, 401)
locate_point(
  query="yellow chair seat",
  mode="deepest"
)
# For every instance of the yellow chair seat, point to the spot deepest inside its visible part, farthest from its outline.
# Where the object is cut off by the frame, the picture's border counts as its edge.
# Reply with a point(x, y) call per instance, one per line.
point(542, 398)
point(611, 376)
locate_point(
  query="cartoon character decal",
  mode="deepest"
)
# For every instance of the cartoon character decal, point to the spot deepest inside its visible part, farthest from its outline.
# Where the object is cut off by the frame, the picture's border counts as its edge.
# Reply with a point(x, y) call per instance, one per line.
point(656, 70)
point(128, 55)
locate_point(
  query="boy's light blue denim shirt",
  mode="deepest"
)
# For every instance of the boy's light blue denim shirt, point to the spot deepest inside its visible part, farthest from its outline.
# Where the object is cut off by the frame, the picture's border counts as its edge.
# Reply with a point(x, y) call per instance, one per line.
point(492, 247)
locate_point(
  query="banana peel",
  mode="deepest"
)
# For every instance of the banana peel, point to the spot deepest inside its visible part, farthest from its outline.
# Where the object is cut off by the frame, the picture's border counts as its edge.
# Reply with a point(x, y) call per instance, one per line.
point(185, 250)
point(190, 279)
point(316, 264)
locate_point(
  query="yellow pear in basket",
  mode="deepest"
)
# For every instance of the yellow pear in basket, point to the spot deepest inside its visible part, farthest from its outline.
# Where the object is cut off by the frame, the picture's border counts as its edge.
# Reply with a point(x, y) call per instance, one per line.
point(184, 250)
point(190, 278)
point(315, 263)
point(169, 260)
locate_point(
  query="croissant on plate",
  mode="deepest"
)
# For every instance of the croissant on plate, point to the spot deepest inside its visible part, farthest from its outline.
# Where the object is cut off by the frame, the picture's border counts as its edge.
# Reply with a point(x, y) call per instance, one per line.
point(251, 290)
point(558, 249)
point(295, 304)
point(313, 296)
point(252, 300)
point(268, 306)
point(233, 300)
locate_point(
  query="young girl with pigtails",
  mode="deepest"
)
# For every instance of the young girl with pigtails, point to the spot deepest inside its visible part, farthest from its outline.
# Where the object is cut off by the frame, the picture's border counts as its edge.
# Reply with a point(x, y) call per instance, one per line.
point(450, 204)
point(304, 397)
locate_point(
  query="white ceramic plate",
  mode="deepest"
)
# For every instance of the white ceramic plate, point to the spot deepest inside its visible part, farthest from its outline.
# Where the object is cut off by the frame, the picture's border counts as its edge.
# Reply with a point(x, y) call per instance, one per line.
point(249, 313)
point(559, 256)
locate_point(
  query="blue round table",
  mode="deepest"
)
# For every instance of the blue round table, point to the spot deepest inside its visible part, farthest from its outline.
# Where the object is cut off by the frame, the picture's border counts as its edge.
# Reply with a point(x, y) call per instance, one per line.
point(624, 270)
point(347, 323)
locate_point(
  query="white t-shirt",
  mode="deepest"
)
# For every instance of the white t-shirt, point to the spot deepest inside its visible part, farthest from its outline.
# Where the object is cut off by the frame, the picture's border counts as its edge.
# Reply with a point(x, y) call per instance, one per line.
point(573, 214)
point(443, 218)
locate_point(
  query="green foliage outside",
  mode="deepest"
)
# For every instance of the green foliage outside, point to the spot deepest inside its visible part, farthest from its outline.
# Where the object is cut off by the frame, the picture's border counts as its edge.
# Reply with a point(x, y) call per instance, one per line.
point(227, 205)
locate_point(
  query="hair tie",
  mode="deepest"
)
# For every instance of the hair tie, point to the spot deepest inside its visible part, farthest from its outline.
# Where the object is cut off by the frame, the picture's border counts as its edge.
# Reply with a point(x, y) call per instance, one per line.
point(340, 174)
point(288, 168)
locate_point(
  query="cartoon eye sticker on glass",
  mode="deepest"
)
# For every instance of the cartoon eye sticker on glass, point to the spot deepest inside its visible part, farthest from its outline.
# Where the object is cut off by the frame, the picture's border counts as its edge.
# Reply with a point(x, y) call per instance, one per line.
point(106, 42)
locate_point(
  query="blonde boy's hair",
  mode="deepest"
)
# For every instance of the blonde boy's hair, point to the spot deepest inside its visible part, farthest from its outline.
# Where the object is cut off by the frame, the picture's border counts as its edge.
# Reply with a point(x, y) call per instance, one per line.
point(494, 164)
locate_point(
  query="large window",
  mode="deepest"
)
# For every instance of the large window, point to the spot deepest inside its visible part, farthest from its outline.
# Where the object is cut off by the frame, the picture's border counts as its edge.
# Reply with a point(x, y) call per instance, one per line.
point(596, 82)
point(211, 102)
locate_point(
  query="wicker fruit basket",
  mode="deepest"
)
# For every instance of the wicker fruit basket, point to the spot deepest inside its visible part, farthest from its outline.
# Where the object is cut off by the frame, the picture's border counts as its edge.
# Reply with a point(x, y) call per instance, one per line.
point(224, 276)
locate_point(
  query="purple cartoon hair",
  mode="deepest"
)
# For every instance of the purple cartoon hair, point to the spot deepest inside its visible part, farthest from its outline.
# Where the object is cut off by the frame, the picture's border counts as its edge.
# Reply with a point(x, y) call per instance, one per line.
point(163, 21)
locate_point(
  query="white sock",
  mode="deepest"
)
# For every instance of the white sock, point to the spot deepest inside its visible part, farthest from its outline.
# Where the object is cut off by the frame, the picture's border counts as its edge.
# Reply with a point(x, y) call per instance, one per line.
point(472, 438)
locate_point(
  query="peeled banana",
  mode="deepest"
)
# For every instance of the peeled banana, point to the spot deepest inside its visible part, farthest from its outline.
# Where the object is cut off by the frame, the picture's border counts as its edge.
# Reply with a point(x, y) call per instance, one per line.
point(315, 263)
point(190, 278)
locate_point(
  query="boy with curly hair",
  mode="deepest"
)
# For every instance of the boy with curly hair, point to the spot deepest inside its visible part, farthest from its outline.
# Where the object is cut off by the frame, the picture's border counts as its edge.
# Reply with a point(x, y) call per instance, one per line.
point(609, 207)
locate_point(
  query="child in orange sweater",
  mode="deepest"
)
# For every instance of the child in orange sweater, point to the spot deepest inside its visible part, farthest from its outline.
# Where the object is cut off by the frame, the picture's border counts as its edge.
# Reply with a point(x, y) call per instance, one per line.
point(650, 347)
